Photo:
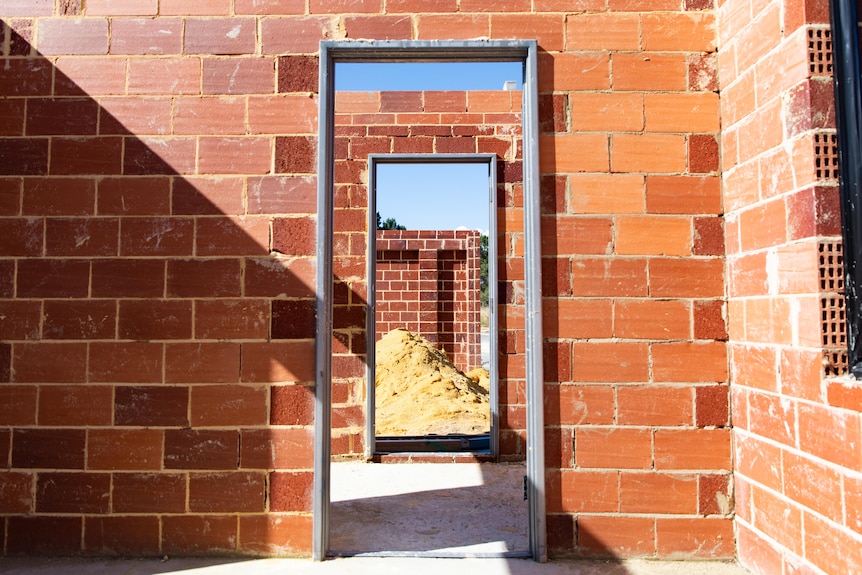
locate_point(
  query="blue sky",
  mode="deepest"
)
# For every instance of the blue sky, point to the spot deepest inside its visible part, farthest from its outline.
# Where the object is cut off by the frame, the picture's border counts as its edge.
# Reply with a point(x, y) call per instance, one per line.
point(426, 76)
point(431, 196)
point(434, 196)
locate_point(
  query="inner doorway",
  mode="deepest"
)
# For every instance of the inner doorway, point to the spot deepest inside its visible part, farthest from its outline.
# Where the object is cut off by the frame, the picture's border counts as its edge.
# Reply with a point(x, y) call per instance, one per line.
point(530, 292)
point(432, 290)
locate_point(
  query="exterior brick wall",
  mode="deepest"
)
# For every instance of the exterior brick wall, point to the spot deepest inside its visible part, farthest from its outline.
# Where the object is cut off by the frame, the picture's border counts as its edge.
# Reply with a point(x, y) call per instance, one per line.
point(428, 283)
point(796, 426)
point(157, 206)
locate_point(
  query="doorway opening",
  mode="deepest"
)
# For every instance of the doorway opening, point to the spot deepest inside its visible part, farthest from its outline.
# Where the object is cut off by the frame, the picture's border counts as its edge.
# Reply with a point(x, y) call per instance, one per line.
point(432, 293)
point(525, 240)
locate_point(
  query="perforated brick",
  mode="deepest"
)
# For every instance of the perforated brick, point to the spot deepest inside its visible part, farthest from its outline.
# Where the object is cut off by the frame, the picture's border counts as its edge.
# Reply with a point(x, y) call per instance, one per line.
point(820, 51)
point(826, 155)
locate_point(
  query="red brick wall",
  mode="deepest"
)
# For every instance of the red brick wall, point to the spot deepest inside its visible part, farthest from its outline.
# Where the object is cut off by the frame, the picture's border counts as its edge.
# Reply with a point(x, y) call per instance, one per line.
point(796, 428)
point(428, 283)
point(157, 202)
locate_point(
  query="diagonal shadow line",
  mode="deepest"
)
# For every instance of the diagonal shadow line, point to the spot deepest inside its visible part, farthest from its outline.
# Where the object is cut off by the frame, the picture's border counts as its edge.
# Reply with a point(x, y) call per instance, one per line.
point(113, 241)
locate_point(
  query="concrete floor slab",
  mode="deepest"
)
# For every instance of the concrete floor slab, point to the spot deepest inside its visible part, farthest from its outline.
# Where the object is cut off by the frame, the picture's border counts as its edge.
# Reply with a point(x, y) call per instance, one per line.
point(357, 566)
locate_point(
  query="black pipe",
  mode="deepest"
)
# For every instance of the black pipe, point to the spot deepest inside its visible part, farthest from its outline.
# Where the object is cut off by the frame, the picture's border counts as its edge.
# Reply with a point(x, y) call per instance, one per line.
point(848, 107)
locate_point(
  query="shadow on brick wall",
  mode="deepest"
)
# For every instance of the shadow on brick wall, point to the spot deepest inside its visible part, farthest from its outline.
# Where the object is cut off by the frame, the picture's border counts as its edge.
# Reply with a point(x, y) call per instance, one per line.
point(157, 324)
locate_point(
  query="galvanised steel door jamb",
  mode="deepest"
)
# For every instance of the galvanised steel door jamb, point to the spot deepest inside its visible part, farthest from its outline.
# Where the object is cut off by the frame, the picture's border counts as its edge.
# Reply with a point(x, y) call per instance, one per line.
point(437, 51)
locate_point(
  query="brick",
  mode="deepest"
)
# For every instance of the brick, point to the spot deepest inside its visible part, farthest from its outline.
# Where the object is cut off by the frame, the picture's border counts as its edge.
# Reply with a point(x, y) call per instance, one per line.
point(777, 518)
point(692, 449)
point(276, 448)
point(589, 195)
point(125, 362)
point(49, 363)
point(124, 449)
point(711, 406)
point(291, 491)
point(548, 30)
point(683, 195)
point(64, 36)
point(677, 361)
point(10, 196)
point(654, 406)
point(282, 195)
point(693, 32)
point(829, 547)
point(79, 319)
point(244, 235)
point(86, 156)
point(159, 156)
point(673, 277)
point(653, 235)
point(602, 32)
point(588, 492)
point(665, 112)
point(573, 153)
point(18, 405)
point(609, 277)
point(165, 76)
point(16, 491)
point(379, 27)
point(619, 448)
point(48, 448)
point(209, 116)
point(648, 153)
point(30, 77)
point(21, 236)
point(561, 534)
point(195, 7)
point(594, 112)
point(234, 155)
point(58, 197)
point(80, 237)
point(23, 157)
point(207, 196)
point(296, 154)
point(75, 405)
point(151, 406)
point(12, 115)
point(273, 7)
point(296, 35)
point(122, 535)
point(156, 236)
point(232, 319)
point(128, 278)
point(148, 36)
point(275, 534)
point(294, 236)
point(201, 449)
point(219, 36)
point(714, 494)
point(701, 538)
point(456, 26)
point(28, 8)
point(90, 76)
point(44, 535)
point(199, 534)
point(607, 536)
point(298, 74)
point(658, 493)
point(830, 434)
point(150, 116)
point(250, 75)
point(155, 319)
point(148, 493)
point(649, 71)
point(20, 320)
point(293, 319)
point(292, 405)
point(651, 319)
point(237, 491)
point(228, 405)
point(203, 278)
point(270, 277)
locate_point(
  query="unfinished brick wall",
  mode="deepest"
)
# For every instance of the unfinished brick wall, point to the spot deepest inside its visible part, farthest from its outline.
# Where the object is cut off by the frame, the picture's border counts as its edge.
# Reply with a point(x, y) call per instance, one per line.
point(428, 283)
point(796, 427)
point(158, 199)
point(427, 122)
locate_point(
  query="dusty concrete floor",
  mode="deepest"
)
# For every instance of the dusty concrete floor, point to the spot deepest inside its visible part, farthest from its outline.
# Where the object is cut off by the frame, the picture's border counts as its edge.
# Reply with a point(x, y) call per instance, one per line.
point(357, 566)
point(428, 509)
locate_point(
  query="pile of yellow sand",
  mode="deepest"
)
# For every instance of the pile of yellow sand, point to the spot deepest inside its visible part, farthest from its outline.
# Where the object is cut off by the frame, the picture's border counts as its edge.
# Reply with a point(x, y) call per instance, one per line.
point(420, 392)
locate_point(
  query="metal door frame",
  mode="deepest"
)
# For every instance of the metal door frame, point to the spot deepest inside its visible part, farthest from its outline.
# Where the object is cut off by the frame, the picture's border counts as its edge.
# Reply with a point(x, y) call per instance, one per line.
point(524, 51)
